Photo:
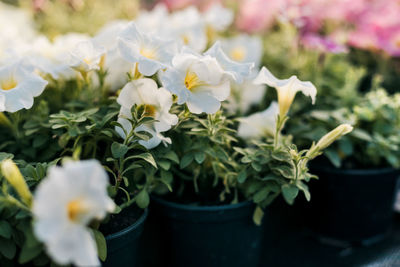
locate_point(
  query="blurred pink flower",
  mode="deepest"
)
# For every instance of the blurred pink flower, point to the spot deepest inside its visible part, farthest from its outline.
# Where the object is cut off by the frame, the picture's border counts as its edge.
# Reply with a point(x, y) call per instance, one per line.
point(257, 15)
point(322, 44)
point(177, 4)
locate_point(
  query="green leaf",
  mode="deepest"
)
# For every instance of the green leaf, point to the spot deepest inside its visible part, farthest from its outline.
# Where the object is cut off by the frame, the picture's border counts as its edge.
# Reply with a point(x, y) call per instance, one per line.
point(143, 199)
point(333, 157)
point(242, 176)
point(171, 155)
point(29, 253)
point(146, 157)
point(7, 248)
point(199, 157)
point(118, 150)
point(289, 192)
point(5, 229)
point(261, 195)
point(186, 160)
point(101, 244)
point(258, 216)
point(164, 164)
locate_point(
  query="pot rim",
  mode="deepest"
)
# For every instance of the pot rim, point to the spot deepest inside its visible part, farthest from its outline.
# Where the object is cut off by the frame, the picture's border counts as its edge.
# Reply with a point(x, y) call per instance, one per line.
point(373, 171)
point(130, 228)
point(188, 207)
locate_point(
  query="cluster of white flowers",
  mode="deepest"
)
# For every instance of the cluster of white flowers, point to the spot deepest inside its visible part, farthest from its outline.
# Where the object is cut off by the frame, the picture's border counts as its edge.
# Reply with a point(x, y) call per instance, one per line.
point(157, 45)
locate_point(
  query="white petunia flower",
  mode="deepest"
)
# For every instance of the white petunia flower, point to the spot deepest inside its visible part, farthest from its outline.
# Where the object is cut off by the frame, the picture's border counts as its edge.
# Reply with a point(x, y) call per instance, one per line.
point(287, 89)
point(237, 71)
point(260, 124)
point(150, 52)
point(65, 202)
point(244, 95)
point(86, 57)
point(18, 87)
point(116, 67)
point(243, 48)
point(218, 17)
point(188, 26)
point(155, 21)
point(157, 103)
point(199, 81)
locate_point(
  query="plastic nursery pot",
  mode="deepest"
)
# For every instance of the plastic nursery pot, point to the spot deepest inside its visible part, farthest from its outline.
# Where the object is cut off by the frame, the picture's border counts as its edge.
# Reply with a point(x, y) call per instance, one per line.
point(206, 235)
point(352, 206)
point(122, 247)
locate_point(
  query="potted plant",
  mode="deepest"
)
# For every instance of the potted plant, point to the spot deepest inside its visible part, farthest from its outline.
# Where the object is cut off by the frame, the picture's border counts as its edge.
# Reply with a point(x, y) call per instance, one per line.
point(361, 168)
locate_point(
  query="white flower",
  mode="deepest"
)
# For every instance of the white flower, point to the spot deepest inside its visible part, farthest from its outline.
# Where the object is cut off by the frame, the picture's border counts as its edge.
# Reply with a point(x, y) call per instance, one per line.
point(287, 89)
point(116, 67)
point(243, 48)
point(199, 81)
point(189, 28)
point(155, 21)
point(157, 103)
point(150, 52)
point(260, 124)
point(65, 202)
point(86, 56)
point(218, 17)
point(237, 71)
point(244, 95)
point(18, 87)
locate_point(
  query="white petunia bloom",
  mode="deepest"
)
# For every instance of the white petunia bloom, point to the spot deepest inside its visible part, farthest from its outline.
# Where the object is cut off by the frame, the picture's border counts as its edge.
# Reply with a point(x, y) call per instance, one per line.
point(150, 52)
point(218, 17)
point(154, 21)
point(188, 26)
point(157, 103)
point(199, 81)
point(116, 67)
point(237, 71)
point(65, 202)
point(287, 89)
point(260, 124)
point(244, 95)
point(243, 48)
point(86, 57)
point(18, 87)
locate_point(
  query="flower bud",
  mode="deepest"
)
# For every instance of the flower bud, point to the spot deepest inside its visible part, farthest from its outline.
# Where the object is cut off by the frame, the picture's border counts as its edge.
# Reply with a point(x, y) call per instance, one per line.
point(333, 135)
point(12, 174)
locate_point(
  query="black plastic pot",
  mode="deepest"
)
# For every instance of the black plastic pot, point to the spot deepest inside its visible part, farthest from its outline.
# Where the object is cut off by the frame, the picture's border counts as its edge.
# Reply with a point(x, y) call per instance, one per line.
point(122, 247)
point(204, 235)
point(352, 206)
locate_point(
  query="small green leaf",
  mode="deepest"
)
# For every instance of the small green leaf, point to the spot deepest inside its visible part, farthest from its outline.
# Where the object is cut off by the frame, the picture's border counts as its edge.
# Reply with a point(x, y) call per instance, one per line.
point(289, 192)
point(101, 244)
point(5, 229)
point(261, 195)
point(7, 248)
point(164, 164)
point(186, 160)
point(242, 176)
point(143, 199)
point(171, 155)
point(118, 150)
point(29, 253)
point(199, 157)
point(258, 216)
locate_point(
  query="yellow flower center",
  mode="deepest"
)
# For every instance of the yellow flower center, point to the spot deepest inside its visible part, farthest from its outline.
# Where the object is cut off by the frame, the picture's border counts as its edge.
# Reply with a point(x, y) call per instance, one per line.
point(192, 80)
point(9, 84)
point(76, 209)
point(87, 61)
point(238, 53)
point(148, 53)
point(149, 110)
point(185, 39)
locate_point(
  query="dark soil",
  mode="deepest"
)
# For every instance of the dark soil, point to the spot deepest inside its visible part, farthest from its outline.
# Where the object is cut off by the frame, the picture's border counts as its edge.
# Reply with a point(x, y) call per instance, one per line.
point(122, 220)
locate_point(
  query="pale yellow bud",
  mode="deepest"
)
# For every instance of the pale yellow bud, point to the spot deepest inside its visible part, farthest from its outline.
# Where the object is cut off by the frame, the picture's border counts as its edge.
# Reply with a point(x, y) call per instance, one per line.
point(333, 135)
point(12, 174)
